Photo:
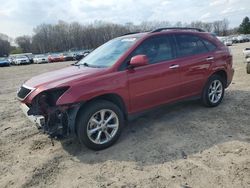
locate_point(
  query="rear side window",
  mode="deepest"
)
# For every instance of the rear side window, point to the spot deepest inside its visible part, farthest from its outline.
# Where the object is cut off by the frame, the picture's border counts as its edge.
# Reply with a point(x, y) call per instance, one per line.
point(210, 46)
point(190, 45)
point(157, 49)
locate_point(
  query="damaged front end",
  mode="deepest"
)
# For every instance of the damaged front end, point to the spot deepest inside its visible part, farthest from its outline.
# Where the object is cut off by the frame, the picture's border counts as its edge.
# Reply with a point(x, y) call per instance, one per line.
point(55, 120)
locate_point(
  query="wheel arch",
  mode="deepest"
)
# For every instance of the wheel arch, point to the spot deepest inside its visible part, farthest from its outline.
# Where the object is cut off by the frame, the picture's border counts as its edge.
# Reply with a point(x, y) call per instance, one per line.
point(114, 98)
point(223, 74)
point(111, 97)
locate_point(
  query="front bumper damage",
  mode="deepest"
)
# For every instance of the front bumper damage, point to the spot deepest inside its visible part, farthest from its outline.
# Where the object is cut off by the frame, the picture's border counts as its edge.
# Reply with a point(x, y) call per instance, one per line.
point(57, 122)
point(43, 111)
point(38, 120)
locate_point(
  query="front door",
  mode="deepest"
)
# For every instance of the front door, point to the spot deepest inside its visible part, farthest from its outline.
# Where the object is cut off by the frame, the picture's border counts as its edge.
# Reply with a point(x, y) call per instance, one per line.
point(158, 82)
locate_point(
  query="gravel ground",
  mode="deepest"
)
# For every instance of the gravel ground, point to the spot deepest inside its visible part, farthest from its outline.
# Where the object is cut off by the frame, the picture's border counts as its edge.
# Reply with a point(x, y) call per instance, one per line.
point(180, 145)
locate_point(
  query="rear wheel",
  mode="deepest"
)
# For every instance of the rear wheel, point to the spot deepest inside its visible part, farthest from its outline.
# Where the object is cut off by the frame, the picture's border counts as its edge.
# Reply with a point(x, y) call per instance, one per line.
point(213, 92)
point(248, 68)
point(99, 124)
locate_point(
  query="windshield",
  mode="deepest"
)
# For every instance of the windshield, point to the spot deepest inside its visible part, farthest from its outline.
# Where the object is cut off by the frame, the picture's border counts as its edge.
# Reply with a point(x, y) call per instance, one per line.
point(21, 57)
point(107, 54)
point(39, 56)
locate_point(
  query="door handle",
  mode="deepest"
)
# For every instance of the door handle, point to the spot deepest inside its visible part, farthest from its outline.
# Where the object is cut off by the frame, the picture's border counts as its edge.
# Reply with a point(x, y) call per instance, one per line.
point(209, 58)
point(174, 66)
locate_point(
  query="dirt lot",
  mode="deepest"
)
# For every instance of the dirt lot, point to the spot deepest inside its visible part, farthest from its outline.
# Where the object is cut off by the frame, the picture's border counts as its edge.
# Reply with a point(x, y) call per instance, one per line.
point(181, 145)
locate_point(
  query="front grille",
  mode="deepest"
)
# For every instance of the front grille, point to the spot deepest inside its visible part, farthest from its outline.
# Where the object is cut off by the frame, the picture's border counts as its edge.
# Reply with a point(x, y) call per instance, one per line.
point(23, 92)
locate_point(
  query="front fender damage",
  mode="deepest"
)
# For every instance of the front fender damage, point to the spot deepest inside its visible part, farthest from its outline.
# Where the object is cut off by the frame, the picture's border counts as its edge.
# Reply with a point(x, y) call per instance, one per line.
point(52, 119)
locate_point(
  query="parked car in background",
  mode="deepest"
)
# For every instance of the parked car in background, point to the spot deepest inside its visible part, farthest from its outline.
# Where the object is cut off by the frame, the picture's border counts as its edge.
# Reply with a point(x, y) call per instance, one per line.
point(68, 56)
point(21, 60)
point(78, 56)
point(242, 38)
point(4, 61)
point(246, 38)
point(30, 57)
point(41, 58)
point(55, 58)
point(228, 42)
point(235, 39)
point(124, 76)
point(222, 39)
point(246, 52)
point(11, 60)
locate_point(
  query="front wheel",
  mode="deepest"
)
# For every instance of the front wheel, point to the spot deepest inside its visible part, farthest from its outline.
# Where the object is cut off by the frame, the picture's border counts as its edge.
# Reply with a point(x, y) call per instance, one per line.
point(99, 124)
point(213, 92)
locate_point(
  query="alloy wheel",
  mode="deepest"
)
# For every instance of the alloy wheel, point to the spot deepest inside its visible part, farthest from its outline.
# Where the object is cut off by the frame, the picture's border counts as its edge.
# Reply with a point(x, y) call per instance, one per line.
point(102, 126)
point(215, 91)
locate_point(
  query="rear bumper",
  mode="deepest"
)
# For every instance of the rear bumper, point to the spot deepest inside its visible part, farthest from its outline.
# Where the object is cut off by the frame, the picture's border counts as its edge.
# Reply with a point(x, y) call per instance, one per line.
point(38, 120)
point(230, 76)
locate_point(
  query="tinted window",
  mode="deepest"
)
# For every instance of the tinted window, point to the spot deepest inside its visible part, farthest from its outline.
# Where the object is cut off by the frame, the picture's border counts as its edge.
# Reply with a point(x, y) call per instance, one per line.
point(209, 45)
point(190, 45)
point(157, 49)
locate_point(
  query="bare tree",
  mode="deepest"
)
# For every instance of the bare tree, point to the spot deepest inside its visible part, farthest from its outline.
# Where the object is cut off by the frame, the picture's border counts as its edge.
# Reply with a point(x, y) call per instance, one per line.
point(65, 36)
point(24, 42)
point(4, 47)
point(220, 27)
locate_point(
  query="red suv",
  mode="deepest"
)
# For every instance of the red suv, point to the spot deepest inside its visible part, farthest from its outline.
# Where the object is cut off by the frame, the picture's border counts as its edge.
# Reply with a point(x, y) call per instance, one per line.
point(126, 75)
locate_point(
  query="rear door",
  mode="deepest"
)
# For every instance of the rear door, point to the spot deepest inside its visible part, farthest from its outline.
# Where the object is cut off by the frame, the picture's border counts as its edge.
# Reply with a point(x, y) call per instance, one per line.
point(194, 58)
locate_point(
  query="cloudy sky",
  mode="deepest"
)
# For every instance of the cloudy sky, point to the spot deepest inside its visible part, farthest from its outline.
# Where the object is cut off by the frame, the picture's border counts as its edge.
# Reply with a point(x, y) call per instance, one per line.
point(18, 17)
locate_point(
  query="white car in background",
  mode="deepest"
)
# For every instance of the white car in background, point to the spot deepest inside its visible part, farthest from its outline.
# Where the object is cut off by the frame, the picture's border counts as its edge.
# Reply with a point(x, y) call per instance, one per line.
point(41, 58)
point(20, 60)
point(246, 52)
point(228, 42)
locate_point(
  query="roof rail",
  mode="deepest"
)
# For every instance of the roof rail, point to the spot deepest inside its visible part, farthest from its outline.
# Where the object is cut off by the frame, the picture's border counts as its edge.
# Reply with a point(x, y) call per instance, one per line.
point(177, 28)
point(130, 33)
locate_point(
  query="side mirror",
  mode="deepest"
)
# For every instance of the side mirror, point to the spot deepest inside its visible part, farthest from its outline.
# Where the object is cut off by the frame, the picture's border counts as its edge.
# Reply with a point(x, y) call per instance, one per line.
point(138, 60)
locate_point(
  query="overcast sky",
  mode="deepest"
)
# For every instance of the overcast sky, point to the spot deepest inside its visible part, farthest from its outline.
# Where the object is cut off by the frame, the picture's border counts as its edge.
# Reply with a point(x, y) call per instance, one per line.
point(19, 17)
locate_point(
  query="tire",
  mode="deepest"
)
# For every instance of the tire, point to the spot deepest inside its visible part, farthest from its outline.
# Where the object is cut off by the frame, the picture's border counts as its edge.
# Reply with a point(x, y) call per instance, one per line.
point(209, 90)
point(248, 68)
point(88, 125)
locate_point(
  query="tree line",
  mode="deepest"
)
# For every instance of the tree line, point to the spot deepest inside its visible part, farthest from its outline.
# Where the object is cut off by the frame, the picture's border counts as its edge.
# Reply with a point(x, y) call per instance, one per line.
point(65, 36)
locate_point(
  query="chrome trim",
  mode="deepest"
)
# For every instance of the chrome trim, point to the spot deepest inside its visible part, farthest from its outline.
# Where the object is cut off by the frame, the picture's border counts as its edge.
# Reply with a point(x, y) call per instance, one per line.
point(209, 58)
point(27, 87)
point(174, 66)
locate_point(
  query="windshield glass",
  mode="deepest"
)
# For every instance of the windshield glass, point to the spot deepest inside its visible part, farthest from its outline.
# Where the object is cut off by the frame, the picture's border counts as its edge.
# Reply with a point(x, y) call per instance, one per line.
point(107, 54)
point(21, 57)
point(39, 56)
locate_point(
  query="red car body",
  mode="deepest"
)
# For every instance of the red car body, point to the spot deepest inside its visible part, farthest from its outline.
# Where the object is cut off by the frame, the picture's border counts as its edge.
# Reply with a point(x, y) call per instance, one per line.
point(55, 58)
point(139, 88)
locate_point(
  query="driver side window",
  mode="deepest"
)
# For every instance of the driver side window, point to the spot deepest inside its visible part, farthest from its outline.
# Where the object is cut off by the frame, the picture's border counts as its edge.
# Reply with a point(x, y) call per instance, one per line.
point(157, 49)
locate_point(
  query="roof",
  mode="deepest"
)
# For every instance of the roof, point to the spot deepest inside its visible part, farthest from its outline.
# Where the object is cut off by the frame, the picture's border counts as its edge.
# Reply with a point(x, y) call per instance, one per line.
point(165, 30)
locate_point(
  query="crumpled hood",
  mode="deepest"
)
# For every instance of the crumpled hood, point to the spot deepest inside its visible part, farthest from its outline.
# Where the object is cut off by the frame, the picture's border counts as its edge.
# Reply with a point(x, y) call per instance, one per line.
point(62, 76)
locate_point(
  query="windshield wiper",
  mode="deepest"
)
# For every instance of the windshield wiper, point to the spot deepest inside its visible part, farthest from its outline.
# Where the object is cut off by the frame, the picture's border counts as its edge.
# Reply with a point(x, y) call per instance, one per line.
point(75, 64)
point(86, 64)
point(92, 66)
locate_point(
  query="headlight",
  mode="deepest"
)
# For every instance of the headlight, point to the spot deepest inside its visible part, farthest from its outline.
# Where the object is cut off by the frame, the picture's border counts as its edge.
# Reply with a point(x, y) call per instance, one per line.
point(51, 96)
